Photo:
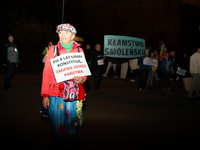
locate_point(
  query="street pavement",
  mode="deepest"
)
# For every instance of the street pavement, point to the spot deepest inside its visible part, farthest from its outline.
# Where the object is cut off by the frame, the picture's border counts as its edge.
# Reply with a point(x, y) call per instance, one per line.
point(120, 117)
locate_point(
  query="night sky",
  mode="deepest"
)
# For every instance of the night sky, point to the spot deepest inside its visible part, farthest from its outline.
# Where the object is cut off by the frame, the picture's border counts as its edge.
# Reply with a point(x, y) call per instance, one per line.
point(33, 22)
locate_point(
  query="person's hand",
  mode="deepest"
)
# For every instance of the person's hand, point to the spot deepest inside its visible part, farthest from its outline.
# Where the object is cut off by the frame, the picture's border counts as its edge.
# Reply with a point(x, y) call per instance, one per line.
point(78, 80)
point(4, 64)
point(17, 66)
point(45, 102)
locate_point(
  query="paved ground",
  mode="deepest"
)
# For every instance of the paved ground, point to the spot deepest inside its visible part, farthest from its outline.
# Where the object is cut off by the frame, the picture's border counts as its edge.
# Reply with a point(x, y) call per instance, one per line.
point(119, 117)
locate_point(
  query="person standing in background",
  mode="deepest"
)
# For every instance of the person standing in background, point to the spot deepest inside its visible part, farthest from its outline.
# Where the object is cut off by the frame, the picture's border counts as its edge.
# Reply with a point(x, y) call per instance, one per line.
point(98, 61)
point(167, 67)
point(10, 59)
point(195, 73)
point(124, 68)
point(44, 52)
point(133, 64)
point(144, 72)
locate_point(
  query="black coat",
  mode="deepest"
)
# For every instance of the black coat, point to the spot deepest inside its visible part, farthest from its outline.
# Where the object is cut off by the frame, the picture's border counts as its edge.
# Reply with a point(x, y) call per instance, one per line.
point(96, 56)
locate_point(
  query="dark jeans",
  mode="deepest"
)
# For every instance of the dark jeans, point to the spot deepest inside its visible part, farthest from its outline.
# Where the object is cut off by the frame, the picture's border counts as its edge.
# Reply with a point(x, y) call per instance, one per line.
point(118, 65)
point(132, 73)
point(97, 79)
point(166, 79)
point(10, 69)
point(143, 78)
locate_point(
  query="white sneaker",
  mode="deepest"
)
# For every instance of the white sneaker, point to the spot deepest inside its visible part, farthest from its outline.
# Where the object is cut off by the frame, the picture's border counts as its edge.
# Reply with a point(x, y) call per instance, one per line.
point(132, 80)
point(104, 75)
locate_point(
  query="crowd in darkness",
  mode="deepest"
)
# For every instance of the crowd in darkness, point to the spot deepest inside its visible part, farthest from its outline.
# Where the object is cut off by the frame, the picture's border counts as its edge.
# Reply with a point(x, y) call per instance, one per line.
point(168, 65)
point(123, 67)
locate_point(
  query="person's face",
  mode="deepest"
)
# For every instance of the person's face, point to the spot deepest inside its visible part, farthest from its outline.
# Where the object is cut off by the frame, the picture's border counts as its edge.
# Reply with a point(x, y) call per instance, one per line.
point(184, 55)
point(149, 48)
point(65, 36)
point(87, 47)
point(152, 54)
point(173, 54)
point(147, 51)
point(155, 52)
point(98, 47)
point(166, 57)
point(10, 39)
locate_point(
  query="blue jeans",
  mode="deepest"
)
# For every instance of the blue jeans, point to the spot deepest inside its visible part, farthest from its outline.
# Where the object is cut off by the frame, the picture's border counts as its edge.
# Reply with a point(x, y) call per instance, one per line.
point(97, 79)
point(10, 69)
point(118, 65)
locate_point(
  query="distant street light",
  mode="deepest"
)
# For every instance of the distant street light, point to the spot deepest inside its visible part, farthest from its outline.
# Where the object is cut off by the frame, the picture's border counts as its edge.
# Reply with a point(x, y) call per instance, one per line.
point(63, 11)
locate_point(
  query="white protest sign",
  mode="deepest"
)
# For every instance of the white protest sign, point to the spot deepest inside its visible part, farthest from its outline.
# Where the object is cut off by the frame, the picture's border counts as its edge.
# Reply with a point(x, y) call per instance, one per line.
point(147, 61)
point(155, 62)
point(100, 62)
point(150, 62)
point(69, 65)
point(181, 71)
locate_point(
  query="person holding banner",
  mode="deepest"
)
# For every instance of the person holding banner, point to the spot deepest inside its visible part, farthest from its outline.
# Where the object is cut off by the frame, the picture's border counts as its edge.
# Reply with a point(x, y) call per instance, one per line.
point(66, 117)
point(124, 68)
point(167, 66)
point(133, 64)
point(111, 63)
point(144, 71)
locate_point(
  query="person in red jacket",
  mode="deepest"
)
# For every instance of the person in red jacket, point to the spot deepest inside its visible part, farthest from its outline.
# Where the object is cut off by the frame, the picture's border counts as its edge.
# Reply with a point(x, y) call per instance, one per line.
point(66, 117)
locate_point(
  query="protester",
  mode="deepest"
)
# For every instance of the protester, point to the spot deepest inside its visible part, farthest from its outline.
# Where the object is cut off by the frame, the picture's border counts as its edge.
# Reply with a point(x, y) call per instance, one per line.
point(88, 54)
point(172, 56)
point(183, 64)
point(66, 117)
point(151, 73)
point(167, 67)
point(117, 68)
point(124, 68)
point(111, 63)
point(144, 72)
point(157, 58)
point(195, 73)
point(44, 52)
point(10, 59)
point(44, 111)
point(98, 60)
point(133, 64)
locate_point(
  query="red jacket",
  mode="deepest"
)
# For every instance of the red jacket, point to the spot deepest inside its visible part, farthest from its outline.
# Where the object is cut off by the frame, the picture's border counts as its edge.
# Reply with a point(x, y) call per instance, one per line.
point(49, 85)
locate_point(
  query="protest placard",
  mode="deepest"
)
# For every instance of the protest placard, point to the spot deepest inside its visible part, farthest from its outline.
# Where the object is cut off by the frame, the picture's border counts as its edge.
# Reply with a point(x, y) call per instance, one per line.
point(147, 61)
point(69, 65)
point(150, 62)
point(155, 62)
point(181, 71)
point(123, 46)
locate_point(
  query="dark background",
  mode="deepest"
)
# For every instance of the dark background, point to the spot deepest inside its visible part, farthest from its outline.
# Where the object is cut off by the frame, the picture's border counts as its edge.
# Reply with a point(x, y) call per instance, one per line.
point(33, 24)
